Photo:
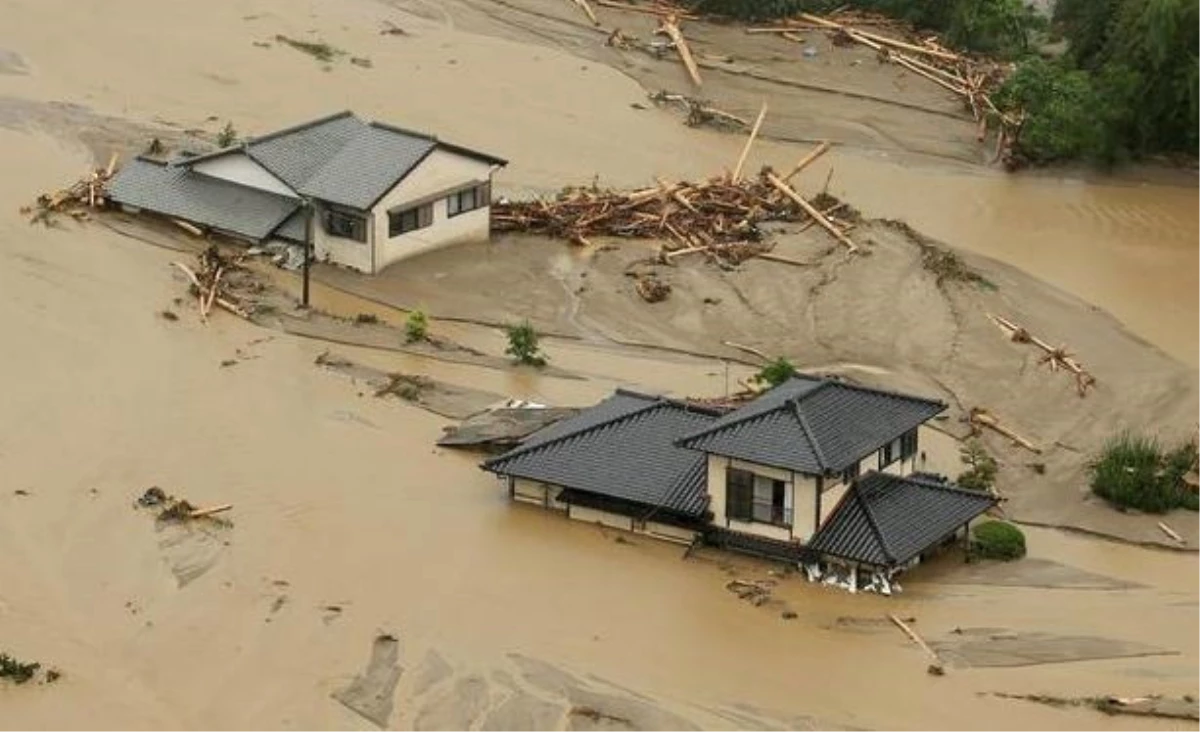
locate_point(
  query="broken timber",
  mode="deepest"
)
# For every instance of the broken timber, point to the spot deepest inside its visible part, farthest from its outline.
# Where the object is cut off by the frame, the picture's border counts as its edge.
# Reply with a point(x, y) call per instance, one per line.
point(587, 8)
point(983, 418)
point(737, 170)
point(669, 26)
point(825, 223)
point(1056, 357)
point(936, 669)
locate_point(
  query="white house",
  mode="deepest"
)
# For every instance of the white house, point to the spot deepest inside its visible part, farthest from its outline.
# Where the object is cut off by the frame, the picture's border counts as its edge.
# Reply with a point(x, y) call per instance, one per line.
point(812, 469)
point(365, 194)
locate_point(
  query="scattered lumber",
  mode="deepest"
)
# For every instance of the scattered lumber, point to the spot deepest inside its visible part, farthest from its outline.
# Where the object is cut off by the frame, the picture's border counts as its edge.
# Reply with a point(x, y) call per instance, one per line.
point(669, 26)
point(89, 192)
point(587, 9)
point(1170, 532)
point(980, 418)
point(1056, 357)
point(807, 160)
point(202, 512)
point(700, 112)
point(748, 349)
point(210, 284)
point(189, 228)
point(737, 170)
point(936, 668)
point(816, 215)
point(171, 508)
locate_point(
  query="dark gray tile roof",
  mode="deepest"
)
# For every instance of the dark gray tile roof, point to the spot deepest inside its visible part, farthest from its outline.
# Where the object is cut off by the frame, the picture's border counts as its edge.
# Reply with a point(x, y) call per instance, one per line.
point(623, 448)
point(174, 190)
point(885, 520)
point(813, 426)
point(342, 159)
point(294, 227)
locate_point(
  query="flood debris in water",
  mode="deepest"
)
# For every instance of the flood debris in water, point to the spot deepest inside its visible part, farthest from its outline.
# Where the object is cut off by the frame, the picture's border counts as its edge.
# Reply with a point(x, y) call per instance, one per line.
point(439, 397)
point(504, 426)
point(1001, 648)
point(371, 693)
point(88, 193)
point(1153, 705)
point(172, 509)
point(1056, 356)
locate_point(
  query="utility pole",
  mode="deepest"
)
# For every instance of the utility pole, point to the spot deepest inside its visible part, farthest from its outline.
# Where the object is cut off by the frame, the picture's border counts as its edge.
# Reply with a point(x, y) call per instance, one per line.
point(308, 242)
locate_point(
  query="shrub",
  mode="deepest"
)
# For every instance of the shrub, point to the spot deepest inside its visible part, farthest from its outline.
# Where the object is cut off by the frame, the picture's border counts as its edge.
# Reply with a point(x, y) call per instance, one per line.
point(416, 327)
point(980, 474)
point(750, 9)
point(227, 136)
point(997, 540)
point(1061, 108)
point(776, 372)
point(16, 670)
point(1134, 472)
point(523, 344)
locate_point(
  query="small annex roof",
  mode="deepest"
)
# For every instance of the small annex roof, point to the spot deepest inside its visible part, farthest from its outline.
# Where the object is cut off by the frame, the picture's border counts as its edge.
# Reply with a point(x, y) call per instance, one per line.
point(813, 425)
point(172, 190)
point(623, 448)
point(342, 159)
point(885, 520)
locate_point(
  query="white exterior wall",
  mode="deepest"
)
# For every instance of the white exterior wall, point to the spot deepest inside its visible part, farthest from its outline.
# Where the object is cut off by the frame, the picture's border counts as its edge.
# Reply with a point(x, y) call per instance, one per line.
point(240, 168)
point(346, 252)
point(438, 175)
point(539, 494)
point(804, 501)
point(594, 516)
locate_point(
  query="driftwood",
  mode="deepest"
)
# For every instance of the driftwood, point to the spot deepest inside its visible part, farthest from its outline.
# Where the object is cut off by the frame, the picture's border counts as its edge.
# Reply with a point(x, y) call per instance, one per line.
point(936, 668)
point(737, 170)
point(1170, 532)
point(202, 512)
point(700, 112)
point(825, 223)
point(748, 349)
point(587, 9)
point(89, 192)
point(1056, 357)
point(980, 417)
point(210, 283)
point(807, 160)
point(669, 26)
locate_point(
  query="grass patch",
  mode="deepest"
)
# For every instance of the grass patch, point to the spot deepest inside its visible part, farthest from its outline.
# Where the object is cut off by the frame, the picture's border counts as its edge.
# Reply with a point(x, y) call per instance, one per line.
point(1134, 471)
point(997, 540)
point(319, 50)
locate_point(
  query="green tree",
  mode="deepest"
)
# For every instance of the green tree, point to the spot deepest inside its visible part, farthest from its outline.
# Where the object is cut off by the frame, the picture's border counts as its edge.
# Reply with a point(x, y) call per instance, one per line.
point(227, 136)
point(776, 372)
point(416, 327)
point(1060, 109)
point(523, 345)
point(980, 474)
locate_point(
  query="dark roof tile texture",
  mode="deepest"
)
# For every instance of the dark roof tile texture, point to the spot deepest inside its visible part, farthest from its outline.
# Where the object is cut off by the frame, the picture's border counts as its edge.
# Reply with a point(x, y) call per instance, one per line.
point(885, 520)
point(623, 448)
point(813, 426)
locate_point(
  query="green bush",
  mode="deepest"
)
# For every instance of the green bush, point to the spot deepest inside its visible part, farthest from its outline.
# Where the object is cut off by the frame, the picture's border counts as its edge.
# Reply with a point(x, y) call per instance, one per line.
point(227, 136)
point(1061, 110)
point(980, 474)
point(750, 9)
point(776, 372)
point(1134, 472)
point(18, 671)
point(416, 327)
point(997, 540)
point(523, 345)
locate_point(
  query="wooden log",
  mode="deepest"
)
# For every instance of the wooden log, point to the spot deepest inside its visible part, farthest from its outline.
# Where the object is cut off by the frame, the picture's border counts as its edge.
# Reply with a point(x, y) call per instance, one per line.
point(670, 27)
point(1170, 532)
point(680, 252)
point(586, 8)
point(983, 418)
point(644, 11)
point(771, 257)
point(202, 512)
point(946, 55)
point(807, 160)
point(912, 634)
point(189, 228)
point(906, 63)
point(737, 169)
point(748, 349)
point(112, 166)
point(786, 190)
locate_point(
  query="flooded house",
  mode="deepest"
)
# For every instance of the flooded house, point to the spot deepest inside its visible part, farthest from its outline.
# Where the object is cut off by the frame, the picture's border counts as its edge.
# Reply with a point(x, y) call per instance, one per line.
point(815, 471)
point(365, 194)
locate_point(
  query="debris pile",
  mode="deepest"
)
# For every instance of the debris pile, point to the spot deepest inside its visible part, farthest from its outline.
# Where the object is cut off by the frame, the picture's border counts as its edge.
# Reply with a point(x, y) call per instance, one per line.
point(89, 192)
point(699, 111)
point(651, 288)
point(1058, 357)
point(212, 282)
point(756, 593)
point(173, 509)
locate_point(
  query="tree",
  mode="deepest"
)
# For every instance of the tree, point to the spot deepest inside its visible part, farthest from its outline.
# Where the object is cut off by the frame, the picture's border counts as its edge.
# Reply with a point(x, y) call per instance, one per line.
point(416, 327)
point(227, 136)
point(980, 474)
point(1060, 110)
point(776, 372)
point(523, 345)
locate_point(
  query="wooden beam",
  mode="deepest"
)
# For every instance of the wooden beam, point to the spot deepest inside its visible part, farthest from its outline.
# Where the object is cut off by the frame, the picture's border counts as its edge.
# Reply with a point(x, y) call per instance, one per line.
point(669, 26)
point(737, 170)
point(585, 7)
point(894, 43)
point(786, 190)
point(807, 160)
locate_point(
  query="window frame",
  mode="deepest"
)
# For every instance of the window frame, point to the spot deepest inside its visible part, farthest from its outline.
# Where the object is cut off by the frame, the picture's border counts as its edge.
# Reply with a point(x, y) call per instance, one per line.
point(851, 472)
point(481, 197)
point(358, 223)
point(743, 501)
point(422, 212)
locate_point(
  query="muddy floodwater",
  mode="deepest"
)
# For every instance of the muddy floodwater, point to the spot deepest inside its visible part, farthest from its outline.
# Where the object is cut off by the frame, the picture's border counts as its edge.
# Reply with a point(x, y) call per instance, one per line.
point(368, 579)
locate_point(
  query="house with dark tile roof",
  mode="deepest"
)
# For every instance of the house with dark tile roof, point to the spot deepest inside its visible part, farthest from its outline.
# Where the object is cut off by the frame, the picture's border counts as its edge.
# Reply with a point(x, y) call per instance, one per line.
point(813, 470)
point(365, 194)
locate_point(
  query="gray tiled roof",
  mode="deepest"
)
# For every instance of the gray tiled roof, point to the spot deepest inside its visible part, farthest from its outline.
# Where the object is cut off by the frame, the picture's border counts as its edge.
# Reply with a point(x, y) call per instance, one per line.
point(885, 520)
point(623, 448)
point(813, 426)
point(174, 190)
point(341, 158)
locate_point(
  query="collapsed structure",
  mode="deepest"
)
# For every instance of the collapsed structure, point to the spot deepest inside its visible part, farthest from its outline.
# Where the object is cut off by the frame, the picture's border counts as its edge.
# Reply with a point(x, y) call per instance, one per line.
point(362, 194)
point(814, 471)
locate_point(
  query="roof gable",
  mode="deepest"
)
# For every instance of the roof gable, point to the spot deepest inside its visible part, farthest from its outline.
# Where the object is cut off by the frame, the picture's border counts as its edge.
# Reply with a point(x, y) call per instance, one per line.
point(623, 448)
point(886, 520)
point(813, 426)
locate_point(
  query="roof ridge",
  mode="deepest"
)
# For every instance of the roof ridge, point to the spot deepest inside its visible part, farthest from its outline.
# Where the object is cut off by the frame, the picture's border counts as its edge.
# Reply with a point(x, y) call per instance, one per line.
point(866, 509)
point(522, 450)
point(884, 392)
point(402, 130)
point(297, 127)
point(945, 485)
point(747, 417)
point(808, 434)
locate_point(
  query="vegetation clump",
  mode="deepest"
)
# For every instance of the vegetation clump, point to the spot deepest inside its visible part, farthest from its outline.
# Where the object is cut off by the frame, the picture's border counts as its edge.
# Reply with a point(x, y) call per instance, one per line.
point(19, 672)
point(980, 474)
point(227, 136)
point(416, 327)
point(319, 50)
point(776, 372)
point(997, 540)
point(523, 345)
point(1134, 471)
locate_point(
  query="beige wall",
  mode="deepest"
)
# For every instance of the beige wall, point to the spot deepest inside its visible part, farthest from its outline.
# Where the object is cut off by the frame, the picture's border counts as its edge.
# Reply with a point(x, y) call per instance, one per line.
point(804, 497)
point(438, 175)
point(540, 494)
point(346, 252)
point(240, 168)
point(830, 499)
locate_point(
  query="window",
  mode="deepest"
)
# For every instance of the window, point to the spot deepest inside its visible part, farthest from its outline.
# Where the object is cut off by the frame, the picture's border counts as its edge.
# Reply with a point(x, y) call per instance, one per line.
point(908, 444)
point(346, 225)
point(409, 219)
point(751, 497)
point(850, 473)
point(468, 199)
point(887, 455)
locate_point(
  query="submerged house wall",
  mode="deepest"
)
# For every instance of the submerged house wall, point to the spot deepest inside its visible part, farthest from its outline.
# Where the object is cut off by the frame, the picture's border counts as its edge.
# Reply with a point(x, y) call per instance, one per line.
point(800, 500)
